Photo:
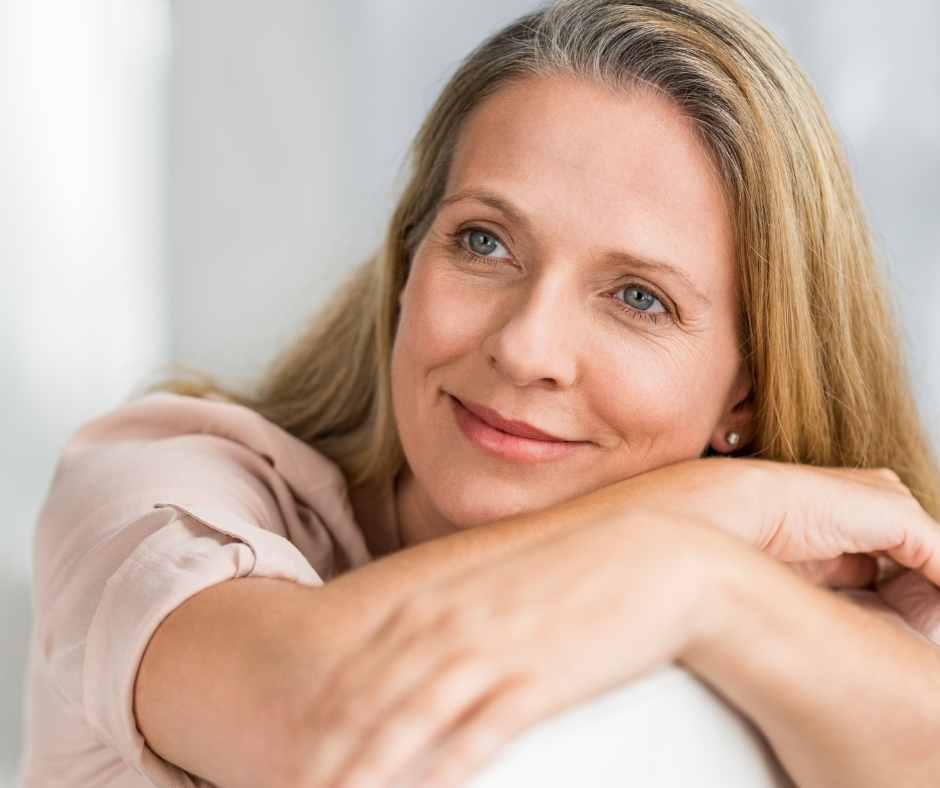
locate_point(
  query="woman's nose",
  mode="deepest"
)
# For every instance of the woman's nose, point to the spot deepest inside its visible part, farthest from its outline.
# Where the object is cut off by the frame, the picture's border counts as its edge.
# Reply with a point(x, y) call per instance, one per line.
point(536, 338)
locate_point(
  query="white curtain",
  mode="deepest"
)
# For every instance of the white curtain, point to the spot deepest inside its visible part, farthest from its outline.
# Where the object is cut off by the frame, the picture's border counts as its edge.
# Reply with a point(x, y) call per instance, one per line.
point(82, 300)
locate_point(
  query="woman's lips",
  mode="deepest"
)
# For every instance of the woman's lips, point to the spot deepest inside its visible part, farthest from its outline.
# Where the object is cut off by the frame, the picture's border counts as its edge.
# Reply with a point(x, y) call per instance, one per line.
point(507, 445)
point(520, 428)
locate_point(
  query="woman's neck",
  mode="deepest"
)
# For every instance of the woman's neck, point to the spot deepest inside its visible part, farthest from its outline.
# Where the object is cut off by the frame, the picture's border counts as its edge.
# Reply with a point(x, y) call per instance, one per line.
point(418, 519)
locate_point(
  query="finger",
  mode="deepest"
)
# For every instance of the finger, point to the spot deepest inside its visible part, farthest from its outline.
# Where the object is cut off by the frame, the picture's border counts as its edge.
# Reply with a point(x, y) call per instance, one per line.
point(888, 568)
point(917, 600)
point(920, 547)
point(397, 631)
point(391, 663)
point(404, 662)
point(479, 735)
point(409, 731)
point(347, 672)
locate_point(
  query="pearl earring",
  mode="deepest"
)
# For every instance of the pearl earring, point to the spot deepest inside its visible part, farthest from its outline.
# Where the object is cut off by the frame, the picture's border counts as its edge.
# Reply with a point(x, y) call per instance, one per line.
point(733, 438)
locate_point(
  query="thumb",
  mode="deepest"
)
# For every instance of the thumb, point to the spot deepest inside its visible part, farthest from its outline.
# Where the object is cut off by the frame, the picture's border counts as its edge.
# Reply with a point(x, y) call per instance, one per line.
point(850, 570)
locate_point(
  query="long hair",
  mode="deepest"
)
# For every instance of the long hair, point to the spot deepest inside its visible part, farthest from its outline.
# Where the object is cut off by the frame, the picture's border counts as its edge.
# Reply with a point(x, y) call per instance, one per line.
point(821, 343)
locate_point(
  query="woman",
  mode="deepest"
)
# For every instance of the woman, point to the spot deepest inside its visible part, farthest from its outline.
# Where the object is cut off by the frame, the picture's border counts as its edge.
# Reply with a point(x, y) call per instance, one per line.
point(629, 243)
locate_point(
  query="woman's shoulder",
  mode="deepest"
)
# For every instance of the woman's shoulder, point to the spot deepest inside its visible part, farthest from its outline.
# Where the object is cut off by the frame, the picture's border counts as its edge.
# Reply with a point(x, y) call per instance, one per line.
point(206, 455)
point(168, 417)
point(152, 502)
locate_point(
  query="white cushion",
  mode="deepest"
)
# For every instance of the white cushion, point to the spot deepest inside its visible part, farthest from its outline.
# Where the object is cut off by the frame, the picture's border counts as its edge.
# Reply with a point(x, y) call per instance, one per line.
point(667, 729)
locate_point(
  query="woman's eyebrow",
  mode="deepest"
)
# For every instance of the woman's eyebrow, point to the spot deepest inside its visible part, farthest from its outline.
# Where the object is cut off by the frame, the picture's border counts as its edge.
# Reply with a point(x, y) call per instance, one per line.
point(629, 260)
point(618, 258)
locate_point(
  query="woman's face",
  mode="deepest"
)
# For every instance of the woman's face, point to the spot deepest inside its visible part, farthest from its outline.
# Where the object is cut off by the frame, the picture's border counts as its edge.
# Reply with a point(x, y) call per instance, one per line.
point(579, 277)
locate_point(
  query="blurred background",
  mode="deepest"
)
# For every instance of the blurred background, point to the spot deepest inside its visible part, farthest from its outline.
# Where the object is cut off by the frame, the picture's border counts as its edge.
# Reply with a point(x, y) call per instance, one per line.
point(188, 181)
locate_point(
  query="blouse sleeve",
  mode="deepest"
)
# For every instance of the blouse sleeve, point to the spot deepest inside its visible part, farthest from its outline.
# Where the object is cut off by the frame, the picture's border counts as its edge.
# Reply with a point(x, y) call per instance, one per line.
point(133, 525)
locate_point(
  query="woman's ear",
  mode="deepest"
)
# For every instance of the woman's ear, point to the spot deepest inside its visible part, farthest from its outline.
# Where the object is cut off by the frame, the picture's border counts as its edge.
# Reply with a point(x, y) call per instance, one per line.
point(736, 427)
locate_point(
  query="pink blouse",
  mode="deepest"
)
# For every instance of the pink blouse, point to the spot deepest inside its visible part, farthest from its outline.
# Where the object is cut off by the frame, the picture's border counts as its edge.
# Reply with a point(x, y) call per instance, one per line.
point(149, 504)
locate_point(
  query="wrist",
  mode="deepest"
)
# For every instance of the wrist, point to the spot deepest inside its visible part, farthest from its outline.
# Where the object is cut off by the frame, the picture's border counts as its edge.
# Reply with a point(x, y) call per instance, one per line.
point(731, 495)
point(728, 591)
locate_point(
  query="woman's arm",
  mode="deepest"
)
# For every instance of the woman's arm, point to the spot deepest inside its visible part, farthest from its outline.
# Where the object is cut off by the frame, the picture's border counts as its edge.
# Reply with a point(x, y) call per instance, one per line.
point(845, 697)
point(230, 668)
point(262, 649)
point(443, 684)
point(258, 648)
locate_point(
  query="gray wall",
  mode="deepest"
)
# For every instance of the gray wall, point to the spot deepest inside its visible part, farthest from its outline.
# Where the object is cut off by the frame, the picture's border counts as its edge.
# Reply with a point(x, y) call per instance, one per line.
point(290, 126)
point(201, 213)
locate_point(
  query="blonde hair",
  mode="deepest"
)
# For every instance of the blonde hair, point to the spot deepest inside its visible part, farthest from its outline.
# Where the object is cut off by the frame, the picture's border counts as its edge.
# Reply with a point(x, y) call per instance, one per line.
point(830, 387)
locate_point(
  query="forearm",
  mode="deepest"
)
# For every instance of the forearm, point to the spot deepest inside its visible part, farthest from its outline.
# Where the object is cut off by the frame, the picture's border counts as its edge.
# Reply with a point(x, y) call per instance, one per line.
point(254, 649)
point(206, 693)
point(368, 593)
point(845, 697)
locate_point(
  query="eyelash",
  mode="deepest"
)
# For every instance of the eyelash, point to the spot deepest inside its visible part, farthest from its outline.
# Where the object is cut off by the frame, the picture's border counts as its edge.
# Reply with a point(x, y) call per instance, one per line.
point(456, 242)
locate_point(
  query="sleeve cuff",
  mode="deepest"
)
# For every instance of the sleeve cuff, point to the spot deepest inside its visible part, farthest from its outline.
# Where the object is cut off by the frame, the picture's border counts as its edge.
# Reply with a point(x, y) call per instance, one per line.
point(198, 547)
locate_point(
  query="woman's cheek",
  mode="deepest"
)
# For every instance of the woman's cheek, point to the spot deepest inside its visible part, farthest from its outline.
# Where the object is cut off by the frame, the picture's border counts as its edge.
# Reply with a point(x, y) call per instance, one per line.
point(452, 316)
point(645, 372)
point(647, 392)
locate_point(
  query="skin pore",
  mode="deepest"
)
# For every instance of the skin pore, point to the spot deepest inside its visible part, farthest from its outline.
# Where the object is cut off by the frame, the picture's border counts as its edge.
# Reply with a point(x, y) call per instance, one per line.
point(555, 184)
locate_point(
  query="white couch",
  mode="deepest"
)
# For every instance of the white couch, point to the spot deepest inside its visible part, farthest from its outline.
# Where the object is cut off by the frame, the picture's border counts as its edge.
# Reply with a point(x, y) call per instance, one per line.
point(667, 729)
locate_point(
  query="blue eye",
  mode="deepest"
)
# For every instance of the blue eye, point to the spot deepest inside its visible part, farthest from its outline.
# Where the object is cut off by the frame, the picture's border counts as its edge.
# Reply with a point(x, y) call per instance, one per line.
point(480, 243)
point(642, 303)
point(639, 298)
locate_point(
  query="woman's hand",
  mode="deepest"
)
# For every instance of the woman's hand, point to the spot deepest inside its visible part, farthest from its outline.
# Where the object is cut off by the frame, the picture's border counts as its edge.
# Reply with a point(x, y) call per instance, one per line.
point(829, 524)
point(838, 527)
point(457, 672)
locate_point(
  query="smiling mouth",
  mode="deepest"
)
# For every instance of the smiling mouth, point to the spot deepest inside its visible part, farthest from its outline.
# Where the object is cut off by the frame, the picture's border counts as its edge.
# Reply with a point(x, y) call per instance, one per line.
point(506, 445)
point(509, 426)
